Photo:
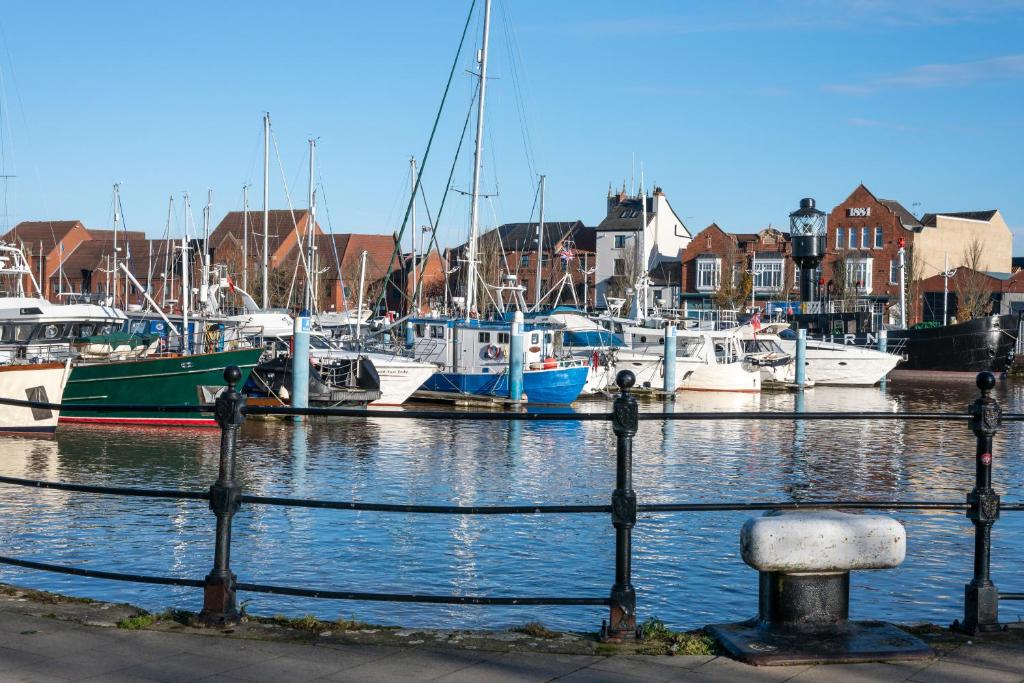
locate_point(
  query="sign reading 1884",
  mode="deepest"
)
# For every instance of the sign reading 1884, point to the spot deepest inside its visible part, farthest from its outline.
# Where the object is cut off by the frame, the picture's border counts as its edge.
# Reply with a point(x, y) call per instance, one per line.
point(858, 211)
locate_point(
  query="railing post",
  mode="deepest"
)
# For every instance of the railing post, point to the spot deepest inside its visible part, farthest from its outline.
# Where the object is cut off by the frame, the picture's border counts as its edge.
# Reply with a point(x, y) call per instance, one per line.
point(622, 613)
point(981, 597)
point(219, 605)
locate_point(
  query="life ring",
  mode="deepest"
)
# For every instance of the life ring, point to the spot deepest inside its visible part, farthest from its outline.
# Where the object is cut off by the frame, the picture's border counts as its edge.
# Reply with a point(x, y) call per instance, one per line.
point(492, 351)
point(550, 363)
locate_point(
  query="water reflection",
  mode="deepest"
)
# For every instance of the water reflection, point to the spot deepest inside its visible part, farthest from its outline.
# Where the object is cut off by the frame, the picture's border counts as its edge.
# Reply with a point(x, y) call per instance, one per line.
point(688, 569)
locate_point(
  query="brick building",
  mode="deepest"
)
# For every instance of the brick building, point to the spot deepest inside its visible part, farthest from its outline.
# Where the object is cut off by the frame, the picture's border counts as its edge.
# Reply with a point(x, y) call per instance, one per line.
point(714, 254)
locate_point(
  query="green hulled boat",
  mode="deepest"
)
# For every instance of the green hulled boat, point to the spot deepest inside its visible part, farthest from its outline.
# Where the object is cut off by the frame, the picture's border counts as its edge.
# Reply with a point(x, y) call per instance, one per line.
point(165, 380)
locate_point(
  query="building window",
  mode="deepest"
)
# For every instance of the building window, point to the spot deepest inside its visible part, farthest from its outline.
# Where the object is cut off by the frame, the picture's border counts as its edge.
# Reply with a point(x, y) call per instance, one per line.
point(709, 273)
point(524, 260)
point(858, 274)
point(894, 272)
point(840, 238)
point(619, 266)
point(865, 238)
point(768, 275)
point(853, 238)
point(878, 237)
point(620, 241)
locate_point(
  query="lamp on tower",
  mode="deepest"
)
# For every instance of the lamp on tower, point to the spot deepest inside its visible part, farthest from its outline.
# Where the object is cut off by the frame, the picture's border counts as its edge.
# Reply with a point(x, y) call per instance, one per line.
point(807, 228)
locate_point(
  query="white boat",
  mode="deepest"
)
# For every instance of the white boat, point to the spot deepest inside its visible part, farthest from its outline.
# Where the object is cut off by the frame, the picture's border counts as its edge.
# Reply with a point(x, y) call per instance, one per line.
point(43, 382)
point(399, 376)
point(837, 364)
point(705, 360)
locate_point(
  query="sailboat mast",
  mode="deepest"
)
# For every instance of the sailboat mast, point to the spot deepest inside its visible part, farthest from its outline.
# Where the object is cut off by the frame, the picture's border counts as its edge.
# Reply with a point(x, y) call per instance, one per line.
point(266, 210)
point(540, 248)
point(168, 260)
point(117, 216)
point(412, 224)
point(474, 217)
point(310, 226)
point(204, 286)
point(245, 238)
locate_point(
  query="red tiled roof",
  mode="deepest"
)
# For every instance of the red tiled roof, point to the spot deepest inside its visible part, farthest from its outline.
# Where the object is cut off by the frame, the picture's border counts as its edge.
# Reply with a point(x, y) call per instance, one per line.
point(282, 222)
point(33, 232)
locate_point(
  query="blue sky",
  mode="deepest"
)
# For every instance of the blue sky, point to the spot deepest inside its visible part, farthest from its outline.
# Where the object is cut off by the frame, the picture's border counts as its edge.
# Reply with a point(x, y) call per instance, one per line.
point(737, 109)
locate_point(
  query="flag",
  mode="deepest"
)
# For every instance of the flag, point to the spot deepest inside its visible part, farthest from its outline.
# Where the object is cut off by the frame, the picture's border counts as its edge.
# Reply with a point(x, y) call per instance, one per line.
point(231, 283)
point(567, 254)
point(755, 322)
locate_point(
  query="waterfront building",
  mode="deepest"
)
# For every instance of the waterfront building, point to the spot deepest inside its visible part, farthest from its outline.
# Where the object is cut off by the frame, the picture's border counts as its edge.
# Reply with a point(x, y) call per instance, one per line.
point(511, 250)
point(954, 234)
point(720, 269)
point(626, 247)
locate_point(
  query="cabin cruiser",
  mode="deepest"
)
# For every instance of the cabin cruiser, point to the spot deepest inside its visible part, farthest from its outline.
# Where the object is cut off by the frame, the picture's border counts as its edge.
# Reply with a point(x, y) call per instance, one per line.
point(833, 363)
point(474, 359)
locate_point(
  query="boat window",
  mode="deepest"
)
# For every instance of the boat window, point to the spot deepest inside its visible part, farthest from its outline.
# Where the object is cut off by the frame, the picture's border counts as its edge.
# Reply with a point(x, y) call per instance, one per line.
point(534, 338)
point(319, 343)
point(437, 331)
point(105, 329)
point(689, 347)
point(5, 333)
point(547, 337)
point(643, 340)
point(419, 330)
point(23, 331)
point(724, 352)
point(618, 328)
point(503, 337)
point(484, 338)
point(50, 331)
point(86, 330)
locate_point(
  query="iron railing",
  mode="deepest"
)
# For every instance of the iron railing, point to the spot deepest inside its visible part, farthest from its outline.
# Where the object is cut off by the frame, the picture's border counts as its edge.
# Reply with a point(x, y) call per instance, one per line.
point(982, 505)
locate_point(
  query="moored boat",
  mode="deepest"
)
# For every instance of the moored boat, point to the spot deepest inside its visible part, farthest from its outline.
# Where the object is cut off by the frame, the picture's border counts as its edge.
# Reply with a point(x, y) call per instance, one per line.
point(189, 381)
point(41, 382)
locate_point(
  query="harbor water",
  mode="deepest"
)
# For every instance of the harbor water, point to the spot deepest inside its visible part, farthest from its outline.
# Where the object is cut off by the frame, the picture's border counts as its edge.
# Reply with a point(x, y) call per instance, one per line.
point(687, 570)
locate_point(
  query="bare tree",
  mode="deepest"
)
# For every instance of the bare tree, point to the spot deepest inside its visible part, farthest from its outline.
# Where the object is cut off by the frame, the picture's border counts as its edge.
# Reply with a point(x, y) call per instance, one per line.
point(974, 296)
point(736, 281)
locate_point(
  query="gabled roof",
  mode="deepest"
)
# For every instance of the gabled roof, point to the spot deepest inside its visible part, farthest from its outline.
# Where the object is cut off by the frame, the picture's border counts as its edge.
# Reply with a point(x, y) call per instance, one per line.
point(666, 272)
point(34, 232)
point(282, 223)
point(350, 246)
point(928, 220)
point(627, 214)
point(906, 218)
point(523, 236)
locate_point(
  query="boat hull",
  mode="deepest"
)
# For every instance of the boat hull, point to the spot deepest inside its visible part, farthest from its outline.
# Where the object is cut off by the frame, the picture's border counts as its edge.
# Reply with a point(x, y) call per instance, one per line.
point(972, 346)
point(717, 376)
point(399, 379)
point(171, 380)
point(44, 383)
point(557, 386)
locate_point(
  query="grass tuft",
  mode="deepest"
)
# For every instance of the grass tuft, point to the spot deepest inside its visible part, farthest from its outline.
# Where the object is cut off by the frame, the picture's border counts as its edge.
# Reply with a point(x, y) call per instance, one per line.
point(535, 629)
point(658, 639)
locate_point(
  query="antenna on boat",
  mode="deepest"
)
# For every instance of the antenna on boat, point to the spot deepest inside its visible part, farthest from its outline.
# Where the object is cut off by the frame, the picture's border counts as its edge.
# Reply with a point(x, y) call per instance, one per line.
point(474, 216)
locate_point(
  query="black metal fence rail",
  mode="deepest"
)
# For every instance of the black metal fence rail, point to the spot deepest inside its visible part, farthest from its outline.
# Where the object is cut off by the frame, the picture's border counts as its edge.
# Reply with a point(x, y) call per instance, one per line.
point(982, 504)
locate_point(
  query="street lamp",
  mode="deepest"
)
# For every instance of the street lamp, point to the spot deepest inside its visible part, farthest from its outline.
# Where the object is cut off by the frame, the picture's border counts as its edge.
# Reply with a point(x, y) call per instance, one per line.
point(807, 229)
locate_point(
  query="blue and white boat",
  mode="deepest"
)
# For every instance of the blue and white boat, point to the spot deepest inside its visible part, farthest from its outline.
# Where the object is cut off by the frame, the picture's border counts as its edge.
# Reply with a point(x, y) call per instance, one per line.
point(474, 360)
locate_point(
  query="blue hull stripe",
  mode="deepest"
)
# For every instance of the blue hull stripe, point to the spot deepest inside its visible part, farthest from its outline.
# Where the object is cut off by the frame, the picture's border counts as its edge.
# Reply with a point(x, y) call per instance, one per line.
point(558, 386)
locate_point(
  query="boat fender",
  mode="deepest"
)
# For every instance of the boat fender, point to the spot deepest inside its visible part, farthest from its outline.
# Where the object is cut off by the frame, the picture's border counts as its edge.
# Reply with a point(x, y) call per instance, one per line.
point(550, 363)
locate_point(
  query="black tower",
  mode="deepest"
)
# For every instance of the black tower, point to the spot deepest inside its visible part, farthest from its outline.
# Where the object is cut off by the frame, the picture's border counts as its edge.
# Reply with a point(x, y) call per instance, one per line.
point(807, 228)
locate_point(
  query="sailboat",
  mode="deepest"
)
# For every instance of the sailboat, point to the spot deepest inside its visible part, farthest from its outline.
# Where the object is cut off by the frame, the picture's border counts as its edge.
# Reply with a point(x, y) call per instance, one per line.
point(474, 353)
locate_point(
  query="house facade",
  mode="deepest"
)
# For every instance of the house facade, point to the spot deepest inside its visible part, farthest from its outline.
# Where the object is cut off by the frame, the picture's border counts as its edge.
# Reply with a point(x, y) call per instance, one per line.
point(719, 265)
point(625, 246)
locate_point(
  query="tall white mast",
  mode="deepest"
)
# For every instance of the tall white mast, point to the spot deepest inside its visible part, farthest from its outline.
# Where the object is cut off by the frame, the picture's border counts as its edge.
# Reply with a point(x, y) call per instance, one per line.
point(540, 248)
point(412, 224)
point(117, 218)
point(474, 217)
point(245, 238)
point(168, 256)
point(266, 210)
point(186, 291)
point(204, 286)
point(310, 227)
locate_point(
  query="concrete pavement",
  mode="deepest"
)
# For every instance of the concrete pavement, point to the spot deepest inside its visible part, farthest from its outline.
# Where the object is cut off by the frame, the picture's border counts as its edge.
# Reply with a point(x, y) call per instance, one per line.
point(51, 641)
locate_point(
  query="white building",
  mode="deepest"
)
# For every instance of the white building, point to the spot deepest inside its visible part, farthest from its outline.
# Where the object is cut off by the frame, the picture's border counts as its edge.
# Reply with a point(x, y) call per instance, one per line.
point(626, 247)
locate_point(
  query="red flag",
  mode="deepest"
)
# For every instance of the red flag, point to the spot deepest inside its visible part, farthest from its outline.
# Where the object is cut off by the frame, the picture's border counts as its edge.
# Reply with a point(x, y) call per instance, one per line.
point(755, 322)
point(231, 283)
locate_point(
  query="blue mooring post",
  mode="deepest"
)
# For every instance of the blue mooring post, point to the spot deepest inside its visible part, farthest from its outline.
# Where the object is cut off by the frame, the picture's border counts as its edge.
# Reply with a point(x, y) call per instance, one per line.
point(801, 358)
point(883, 346)
point(300, 363)
point(219, 606)
point(670, 361)
point(410, 338)
point(515, 358)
